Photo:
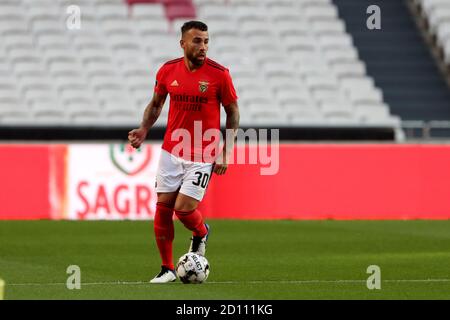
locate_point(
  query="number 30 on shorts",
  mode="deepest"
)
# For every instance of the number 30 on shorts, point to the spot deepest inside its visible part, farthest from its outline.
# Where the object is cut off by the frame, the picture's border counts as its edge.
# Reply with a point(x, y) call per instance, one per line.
point(202, 179)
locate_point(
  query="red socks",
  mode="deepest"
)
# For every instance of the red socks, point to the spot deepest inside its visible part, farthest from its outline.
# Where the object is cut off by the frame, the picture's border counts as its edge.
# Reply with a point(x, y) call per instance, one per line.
point(164, 233)
point(164, 230)
point(193, 220)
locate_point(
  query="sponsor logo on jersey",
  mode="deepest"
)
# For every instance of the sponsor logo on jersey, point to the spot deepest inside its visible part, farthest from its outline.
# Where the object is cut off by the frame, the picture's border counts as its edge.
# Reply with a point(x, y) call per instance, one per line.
point(185, 102)
point(189, 98)
point(174, 83)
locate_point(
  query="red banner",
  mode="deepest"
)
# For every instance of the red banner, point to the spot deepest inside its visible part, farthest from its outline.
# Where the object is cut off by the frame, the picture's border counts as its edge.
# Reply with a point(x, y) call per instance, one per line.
point(338, 182)
point(24, 182)
point(360, 181)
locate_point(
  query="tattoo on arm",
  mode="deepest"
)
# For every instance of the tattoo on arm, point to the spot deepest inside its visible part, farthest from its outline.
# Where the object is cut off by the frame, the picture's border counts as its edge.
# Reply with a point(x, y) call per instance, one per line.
point(152, 111)
point(232, 123)
point(232, 116)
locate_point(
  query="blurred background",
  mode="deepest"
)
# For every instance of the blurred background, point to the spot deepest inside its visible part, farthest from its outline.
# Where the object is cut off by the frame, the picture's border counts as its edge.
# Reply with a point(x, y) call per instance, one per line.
point(358, 89)
point(76, 76)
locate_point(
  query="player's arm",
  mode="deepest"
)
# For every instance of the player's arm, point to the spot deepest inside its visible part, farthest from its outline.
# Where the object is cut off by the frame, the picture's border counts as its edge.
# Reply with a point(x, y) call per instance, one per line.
point(151, 114)
point(232, 125)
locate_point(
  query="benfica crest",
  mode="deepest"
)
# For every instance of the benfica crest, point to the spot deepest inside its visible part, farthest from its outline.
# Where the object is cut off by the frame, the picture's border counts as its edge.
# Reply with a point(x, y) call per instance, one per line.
point(203, 86)
point(129, 160)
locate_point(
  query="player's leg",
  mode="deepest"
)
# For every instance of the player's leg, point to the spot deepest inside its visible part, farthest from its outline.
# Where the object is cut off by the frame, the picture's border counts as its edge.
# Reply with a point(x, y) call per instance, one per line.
point(168, 180)
point(163, 227)
point(193, 188)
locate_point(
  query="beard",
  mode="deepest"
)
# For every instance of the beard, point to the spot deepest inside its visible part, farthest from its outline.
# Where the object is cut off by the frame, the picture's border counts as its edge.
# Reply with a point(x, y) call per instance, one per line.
point(194, 60)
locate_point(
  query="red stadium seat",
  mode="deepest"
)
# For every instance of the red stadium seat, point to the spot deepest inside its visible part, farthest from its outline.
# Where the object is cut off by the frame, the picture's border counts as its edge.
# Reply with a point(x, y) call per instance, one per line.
point(178, 10)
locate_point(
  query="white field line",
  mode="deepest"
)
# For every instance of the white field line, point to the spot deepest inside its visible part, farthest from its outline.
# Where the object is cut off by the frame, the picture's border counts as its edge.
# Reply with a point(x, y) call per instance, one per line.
point(127, 283)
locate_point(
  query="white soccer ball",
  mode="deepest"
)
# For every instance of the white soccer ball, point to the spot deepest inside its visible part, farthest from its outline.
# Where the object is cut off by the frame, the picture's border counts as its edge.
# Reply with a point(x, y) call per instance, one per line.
point(192, 268)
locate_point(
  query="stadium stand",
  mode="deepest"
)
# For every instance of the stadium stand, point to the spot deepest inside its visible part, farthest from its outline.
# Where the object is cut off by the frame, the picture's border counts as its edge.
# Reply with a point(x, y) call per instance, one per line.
point(293, 62)
point(398, 59)
point(434, 17)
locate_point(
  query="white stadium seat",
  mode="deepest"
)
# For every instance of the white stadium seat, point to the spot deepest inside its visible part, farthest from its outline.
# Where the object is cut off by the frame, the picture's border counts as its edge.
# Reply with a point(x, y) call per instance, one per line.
point(447, 52)
point(289, 98)
point(152, 27)
point(321, 12)
point(148, 12)
point(349, 69)
point(338, 41)
point(107, 11)
point(120, 27)
point(18, 41)
point(443, 33)
point(285, 13)
point(329, 27)
point(251, 13)
point(50, 41)
point(16, 117)
point(431, 5)
point(287, 27)
point(340, 55)
point(437, 17)
point(368, 97)
point(216, 13)
point(105, 72)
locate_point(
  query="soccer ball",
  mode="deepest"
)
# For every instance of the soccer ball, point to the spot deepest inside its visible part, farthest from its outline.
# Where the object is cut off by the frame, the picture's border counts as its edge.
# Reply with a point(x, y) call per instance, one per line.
point(192, 268)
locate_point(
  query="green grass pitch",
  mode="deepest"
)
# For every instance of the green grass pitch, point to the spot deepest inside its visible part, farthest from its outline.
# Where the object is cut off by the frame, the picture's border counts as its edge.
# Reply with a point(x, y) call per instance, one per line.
point(249, 260)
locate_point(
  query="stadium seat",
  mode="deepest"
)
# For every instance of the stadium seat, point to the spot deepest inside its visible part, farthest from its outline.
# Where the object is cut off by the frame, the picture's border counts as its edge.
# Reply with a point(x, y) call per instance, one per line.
point(359, 84)
point(328, 27)
point(219, 28)
point(71, 96)
point(64, 81)
point(251, 13)
point(376, 115)
point(152, 27)
point(46, 27)
point(14, 117)
point(112, 12)
point(437, 17)
point(11, 12)
point(216, 13)
point(60, 55)
point(349, 69)
point(431, 5)
point(447, 53)
point(315, 12)
point(52, 41)
point(46, 105)
point(64, 69)
point(180, 10)
point(121, 44)
point(119, 28)
point(306, 117)
point(443, 33)
point(312, 66)
point(147, 12)
point(342, 55)
point(287, 27)
point(28, 68)
point(322, 81)
point(91, 117)
point(12, 41)
point(373, 96)
point(338, 41)
point(268, 118)
point(289, 98)
point(249, 28)
point(294, 43)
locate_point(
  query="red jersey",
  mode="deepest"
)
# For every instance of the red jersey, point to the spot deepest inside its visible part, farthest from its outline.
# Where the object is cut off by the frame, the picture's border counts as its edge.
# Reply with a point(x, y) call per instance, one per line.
point(195, 97)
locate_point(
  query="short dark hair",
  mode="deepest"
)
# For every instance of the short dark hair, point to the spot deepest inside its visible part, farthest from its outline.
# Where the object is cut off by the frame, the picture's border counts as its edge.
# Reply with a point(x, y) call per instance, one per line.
point(193, 25)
